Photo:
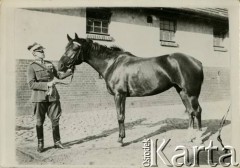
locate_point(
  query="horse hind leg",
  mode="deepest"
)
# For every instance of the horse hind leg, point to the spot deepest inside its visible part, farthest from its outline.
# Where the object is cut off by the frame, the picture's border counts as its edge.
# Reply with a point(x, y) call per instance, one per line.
point(192, 108)
point(186, 101)
point(198, 114)
point(197, 110)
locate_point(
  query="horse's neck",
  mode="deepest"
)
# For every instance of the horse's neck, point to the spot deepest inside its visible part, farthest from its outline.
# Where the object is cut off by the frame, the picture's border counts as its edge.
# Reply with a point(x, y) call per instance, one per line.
point(100, 64)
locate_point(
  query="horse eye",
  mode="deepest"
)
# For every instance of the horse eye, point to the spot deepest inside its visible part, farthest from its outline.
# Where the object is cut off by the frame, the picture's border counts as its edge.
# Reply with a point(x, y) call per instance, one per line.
point(75, 48)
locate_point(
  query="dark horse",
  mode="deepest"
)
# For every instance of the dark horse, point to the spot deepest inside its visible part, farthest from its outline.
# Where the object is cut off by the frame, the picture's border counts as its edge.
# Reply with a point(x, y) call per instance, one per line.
point(127, 75)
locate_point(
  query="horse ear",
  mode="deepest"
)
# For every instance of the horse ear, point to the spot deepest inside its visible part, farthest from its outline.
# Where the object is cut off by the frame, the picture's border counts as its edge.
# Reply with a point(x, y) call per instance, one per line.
point(76, 36)
point(69, 38)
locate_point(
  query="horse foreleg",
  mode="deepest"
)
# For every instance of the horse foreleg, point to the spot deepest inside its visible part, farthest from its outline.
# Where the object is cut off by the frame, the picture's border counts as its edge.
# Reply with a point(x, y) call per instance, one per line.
point(120, 100)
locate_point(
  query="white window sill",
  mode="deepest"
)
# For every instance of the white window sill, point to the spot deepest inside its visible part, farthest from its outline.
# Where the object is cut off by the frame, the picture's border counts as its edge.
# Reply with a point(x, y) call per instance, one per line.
point(100, 37)
point(169, 44)
point(220, 48)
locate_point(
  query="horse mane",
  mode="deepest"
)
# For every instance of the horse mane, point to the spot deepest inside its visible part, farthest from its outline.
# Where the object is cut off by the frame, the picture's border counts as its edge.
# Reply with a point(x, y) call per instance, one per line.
point(107, 52)
point(116, 48)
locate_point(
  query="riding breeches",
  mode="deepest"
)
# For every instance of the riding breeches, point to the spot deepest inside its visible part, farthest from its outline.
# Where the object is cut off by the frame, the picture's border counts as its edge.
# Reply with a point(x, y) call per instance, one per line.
point(53, 110)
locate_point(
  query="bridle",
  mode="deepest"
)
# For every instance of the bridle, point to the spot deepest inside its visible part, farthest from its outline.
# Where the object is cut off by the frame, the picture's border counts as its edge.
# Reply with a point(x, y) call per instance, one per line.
point(79, 53)
point(72, 67)
point(76, 60)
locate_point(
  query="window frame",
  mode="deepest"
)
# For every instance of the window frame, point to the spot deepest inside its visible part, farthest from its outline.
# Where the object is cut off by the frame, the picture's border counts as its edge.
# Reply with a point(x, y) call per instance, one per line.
point(168, 29)
point(101, 26)
point(218, 38)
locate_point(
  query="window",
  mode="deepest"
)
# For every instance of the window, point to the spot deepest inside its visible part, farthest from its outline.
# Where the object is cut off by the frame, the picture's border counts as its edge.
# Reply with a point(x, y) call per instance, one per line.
point(167, 32)
point(149, 19)
point(219, 34)
point(98, 20)
point(97, 26)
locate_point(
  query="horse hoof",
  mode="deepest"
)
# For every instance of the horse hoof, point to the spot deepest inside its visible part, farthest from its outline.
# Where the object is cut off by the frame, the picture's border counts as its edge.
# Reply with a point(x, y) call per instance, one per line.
point(120, 140)
point(199, 141)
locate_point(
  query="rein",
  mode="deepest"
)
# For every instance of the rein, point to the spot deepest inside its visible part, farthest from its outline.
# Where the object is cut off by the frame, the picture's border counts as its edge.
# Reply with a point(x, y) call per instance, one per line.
point(79, 52)
point(221, 126)
point(63, 83)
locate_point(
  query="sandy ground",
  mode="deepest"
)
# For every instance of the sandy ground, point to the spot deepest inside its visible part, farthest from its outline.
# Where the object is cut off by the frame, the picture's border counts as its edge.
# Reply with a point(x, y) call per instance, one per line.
point(90, 138)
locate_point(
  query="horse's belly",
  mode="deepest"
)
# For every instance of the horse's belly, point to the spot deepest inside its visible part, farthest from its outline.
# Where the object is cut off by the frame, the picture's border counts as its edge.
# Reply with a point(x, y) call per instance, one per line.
point(143, 78)
point(148, 84)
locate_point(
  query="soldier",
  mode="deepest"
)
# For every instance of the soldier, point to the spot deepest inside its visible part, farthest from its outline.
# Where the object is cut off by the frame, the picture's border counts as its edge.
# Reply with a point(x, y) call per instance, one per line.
point(40, 78)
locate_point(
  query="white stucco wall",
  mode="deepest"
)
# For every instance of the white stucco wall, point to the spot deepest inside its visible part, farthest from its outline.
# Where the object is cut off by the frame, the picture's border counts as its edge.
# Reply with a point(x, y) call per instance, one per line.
point(129, 30)
point(48, 29)
point(193, 37)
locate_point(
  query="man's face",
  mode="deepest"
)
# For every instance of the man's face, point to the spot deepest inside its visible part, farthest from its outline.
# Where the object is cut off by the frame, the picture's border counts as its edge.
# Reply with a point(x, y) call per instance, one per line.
point(39, 54)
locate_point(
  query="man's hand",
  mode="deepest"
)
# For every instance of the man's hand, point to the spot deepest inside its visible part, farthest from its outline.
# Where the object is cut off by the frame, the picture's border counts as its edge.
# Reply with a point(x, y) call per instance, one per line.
point(69, 70)
point(50, 90)
point(51, 84)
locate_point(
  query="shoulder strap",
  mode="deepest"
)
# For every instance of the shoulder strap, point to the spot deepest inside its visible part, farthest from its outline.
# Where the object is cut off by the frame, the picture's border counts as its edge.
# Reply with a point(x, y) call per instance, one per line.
point(40, 66)
point(48, 61)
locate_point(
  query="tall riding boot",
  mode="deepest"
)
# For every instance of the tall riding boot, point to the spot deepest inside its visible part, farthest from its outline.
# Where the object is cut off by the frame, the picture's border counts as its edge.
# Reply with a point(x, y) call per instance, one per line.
point(40, 138)
point(56, 137)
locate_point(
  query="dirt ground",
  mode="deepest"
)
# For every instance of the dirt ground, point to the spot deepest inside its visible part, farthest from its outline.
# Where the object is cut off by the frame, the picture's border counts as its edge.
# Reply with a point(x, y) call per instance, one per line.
point(90, 138)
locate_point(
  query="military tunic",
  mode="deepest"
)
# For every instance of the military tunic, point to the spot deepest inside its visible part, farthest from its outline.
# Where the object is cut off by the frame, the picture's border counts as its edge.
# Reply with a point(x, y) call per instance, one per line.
point(38, 75)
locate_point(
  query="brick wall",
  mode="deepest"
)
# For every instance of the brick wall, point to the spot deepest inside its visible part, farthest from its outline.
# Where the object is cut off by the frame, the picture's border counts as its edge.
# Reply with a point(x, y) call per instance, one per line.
point(88, 92)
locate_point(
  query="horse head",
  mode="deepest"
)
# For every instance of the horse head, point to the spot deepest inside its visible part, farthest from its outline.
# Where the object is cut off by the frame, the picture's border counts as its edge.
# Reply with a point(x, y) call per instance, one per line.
point(74, 53)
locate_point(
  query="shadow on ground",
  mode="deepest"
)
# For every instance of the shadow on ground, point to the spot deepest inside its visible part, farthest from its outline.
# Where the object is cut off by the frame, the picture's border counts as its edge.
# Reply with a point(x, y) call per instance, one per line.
point(176, 123)
point(18, 128)
point(166, 125)
point(103, 134)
